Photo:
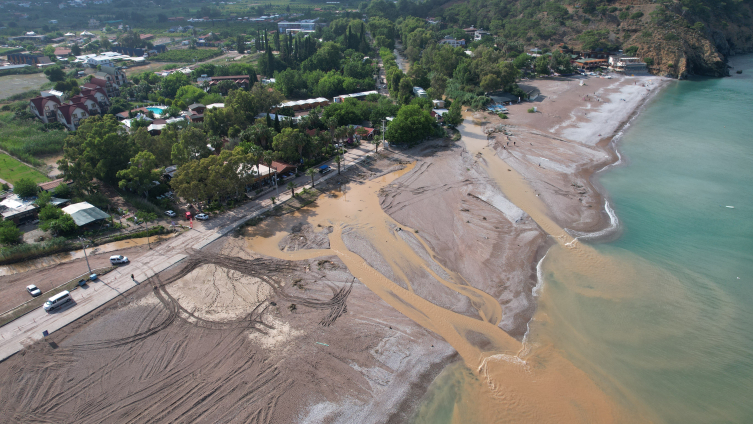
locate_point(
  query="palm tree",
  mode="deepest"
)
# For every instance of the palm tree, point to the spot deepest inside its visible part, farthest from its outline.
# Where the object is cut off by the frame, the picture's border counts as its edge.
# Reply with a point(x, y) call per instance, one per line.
point(338, 159)
point(311, 172)
point(340, 133)
point(268, 157)
point(256, 153)
point(332, 125)
point(291, 186)
point(350, 132)
point(376, 142)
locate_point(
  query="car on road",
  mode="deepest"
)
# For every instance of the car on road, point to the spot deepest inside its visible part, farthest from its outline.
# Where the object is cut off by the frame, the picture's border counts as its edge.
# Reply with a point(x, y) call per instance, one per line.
point(324, 169)
point(118, 259)
point(188, 216)
point(56, 301)
point(202, 216)
point(33, 290)
point(171, 214)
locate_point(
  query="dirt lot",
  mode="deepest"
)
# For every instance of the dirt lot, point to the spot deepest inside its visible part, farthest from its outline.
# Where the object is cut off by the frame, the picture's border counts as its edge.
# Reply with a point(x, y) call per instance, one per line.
point(151, 357)
point(14, 84)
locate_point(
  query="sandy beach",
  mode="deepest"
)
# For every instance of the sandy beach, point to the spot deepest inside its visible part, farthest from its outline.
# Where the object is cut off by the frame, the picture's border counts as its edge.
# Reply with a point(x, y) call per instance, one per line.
point(346, 310)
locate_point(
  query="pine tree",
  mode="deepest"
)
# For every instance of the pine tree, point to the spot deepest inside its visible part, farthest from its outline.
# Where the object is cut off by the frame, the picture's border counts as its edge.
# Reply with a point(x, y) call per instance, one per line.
point(277, 122)
point(347, 39)
point(277, 40)
point(269, 121)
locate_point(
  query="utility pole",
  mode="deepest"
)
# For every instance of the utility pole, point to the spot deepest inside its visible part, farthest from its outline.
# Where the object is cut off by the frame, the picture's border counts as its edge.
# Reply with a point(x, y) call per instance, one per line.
point(383, 145)
point(146, 221)
point(87, 258)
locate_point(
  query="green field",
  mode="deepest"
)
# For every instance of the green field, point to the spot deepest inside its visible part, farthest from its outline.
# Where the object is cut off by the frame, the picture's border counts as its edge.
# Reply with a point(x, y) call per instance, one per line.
point(12, 170)
point(26, 139)
point(9, 50)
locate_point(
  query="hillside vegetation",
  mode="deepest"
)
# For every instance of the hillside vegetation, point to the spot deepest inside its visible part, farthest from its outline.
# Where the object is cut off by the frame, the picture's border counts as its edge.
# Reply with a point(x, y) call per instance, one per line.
point(678, 37)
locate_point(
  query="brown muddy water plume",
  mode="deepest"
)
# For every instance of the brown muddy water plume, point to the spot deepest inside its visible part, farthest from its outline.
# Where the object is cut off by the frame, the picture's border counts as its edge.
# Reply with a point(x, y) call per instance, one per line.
point(518, 385)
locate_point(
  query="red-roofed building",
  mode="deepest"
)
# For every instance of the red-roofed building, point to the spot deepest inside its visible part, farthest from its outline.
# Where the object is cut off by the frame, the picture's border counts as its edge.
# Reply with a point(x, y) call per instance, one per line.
point(282, 167)
point(98, 93)
point(45, 108)
point(88, 102)
point(71, 115)
point(62, 51)
point(50, 185)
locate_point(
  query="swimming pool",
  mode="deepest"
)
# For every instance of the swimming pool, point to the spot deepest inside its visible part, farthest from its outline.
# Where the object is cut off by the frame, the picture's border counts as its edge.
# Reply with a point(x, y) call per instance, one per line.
point(156, 110)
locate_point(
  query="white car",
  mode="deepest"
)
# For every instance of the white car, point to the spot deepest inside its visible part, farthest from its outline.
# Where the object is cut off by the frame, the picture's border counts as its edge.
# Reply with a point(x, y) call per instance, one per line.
point(33, 290)
point(171, 214)
point(118, 259)
point(202, 216)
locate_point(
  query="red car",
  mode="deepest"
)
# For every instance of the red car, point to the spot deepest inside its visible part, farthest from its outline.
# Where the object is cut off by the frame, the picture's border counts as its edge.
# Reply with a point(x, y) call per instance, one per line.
point(188, 216)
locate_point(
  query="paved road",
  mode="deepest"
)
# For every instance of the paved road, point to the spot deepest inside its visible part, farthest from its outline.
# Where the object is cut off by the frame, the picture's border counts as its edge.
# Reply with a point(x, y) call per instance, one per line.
point(29, 328)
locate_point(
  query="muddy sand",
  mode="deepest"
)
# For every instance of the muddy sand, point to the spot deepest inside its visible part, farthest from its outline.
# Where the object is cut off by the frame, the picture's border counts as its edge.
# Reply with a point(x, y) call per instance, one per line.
point(346, 310)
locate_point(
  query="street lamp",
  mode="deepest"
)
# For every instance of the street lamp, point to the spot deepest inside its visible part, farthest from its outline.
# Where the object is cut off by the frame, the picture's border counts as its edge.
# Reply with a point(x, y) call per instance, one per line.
point(87, 258)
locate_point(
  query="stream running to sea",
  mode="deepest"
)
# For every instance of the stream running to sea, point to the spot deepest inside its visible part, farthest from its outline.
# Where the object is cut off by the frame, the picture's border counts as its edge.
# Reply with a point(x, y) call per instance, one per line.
point(660, 318)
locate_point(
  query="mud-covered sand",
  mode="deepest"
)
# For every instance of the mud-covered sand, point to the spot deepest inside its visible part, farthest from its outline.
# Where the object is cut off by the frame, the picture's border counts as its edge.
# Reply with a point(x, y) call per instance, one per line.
point(237, 333)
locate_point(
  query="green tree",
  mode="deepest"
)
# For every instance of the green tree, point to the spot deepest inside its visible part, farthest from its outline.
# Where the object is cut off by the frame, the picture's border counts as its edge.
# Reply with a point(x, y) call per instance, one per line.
point(289, 142)
point(454, 116)
point(411, 126)
point(490, 82)
point(98, 149)
point(338, 161)
point(240, 43)
point(405, 91)
point(291, 187)
point(62, 225)
point(55, 73)
point(25, 188)
point(192, 145)
point(541, 65)
point(311, 172)
point(49, 213)
point(141, 174)
point(170, 84)
point(9, 233)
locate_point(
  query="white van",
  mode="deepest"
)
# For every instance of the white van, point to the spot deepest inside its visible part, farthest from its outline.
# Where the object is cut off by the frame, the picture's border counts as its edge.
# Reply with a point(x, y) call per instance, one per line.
point(58, 300)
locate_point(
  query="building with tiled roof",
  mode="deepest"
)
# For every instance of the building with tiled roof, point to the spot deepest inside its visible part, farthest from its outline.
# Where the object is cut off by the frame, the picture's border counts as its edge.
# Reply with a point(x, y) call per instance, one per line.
point(45, 108)
point(71, 115)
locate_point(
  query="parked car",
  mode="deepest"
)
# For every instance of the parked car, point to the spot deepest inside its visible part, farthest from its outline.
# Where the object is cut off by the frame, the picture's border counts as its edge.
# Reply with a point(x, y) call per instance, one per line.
point(33, 290)
point(324, 169)
point(118, 259)
point(188, 216)
point(202, 216)
point(171, 214)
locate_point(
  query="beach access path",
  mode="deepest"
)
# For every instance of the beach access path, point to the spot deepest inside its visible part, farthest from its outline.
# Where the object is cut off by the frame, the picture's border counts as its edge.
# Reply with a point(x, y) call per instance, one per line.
point(30, 327)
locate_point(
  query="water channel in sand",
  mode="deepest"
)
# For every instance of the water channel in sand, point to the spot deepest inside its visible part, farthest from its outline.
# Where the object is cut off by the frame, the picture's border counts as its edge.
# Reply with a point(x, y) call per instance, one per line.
point(59, 258)
point(508, 383)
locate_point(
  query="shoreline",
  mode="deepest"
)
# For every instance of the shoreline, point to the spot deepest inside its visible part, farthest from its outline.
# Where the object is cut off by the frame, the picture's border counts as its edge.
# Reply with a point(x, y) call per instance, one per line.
point(612, 231)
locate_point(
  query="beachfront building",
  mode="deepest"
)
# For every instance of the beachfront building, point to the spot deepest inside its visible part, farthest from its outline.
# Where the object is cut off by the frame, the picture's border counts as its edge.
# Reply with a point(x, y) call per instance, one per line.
point(590, 64)
point(627, 64)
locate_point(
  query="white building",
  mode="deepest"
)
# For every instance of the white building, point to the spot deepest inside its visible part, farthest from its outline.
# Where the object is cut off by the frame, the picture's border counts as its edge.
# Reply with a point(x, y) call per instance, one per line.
point(419, 92)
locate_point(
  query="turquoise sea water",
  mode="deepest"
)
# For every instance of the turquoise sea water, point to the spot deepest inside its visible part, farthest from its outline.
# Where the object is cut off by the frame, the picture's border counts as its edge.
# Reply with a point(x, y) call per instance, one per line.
point(663, 322)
